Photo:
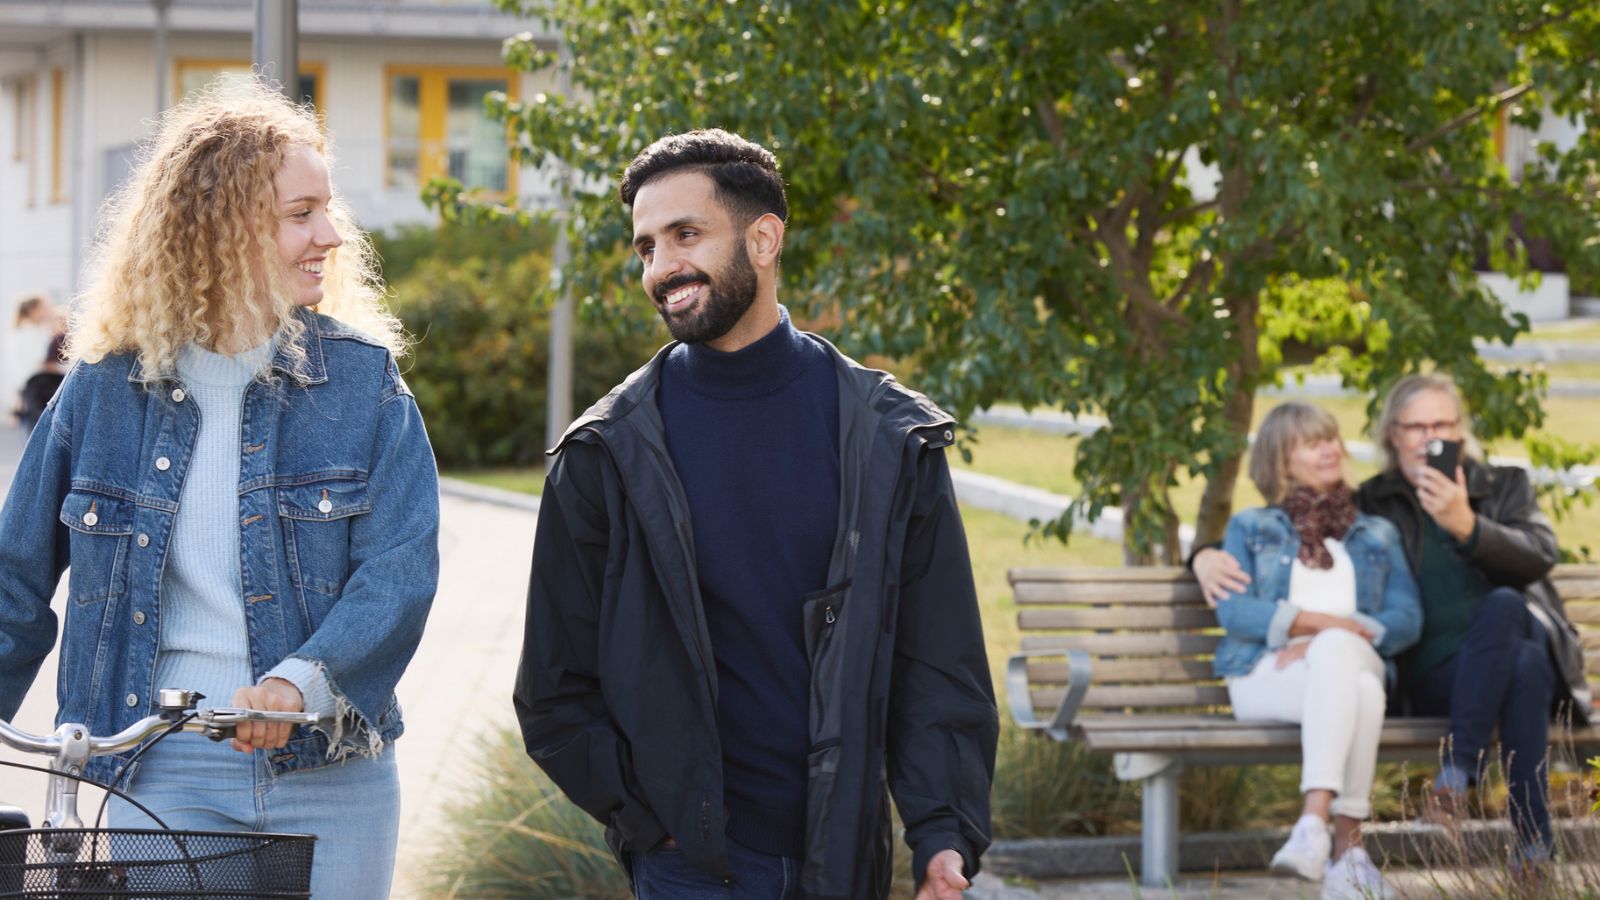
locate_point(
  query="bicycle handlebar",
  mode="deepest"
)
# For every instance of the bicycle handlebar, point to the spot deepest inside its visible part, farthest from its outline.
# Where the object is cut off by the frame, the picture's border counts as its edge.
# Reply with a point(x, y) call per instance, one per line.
point(71, 745)
point(216, 723)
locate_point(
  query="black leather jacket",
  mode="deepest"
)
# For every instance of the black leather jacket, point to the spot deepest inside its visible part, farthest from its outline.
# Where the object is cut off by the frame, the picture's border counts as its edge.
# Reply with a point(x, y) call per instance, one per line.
point(1516, 548)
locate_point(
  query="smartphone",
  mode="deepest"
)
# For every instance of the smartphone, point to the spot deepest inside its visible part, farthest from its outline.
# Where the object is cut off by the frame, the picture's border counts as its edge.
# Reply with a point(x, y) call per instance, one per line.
point(1444, 456)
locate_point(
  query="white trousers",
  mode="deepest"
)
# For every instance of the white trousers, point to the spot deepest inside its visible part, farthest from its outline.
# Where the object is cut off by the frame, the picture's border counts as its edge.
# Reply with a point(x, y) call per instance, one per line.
point(1336, 693)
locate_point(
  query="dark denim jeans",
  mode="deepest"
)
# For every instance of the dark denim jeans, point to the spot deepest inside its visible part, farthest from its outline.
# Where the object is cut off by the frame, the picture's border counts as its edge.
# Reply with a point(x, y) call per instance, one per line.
point(666, 875)
point(1502, 675)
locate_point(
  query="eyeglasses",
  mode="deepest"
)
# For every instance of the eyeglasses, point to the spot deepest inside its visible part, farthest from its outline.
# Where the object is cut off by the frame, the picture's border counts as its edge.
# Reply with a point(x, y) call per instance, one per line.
point(1422, 429)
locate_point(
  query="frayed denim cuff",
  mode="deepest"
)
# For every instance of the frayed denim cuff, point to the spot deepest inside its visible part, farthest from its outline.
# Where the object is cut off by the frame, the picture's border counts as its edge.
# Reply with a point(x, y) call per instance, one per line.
point(1378, 629)
point(312, 682)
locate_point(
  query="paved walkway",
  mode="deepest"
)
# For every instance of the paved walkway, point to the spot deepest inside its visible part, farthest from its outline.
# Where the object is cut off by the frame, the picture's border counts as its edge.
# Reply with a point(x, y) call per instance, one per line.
point(457, 688)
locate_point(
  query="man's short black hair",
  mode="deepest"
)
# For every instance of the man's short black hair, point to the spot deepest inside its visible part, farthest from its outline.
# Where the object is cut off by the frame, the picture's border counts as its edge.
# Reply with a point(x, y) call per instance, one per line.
point(745, 173)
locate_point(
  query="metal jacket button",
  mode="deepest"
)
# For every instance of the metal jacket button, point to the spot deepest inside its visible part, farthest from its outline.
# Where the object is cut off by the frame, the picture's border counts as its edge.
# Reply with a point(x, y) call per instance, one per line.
point(90, 519)
point(138, 617)
point(144, 540)
point(178, 395)
point(325, 507)
point(163, 464)
point(132, 700)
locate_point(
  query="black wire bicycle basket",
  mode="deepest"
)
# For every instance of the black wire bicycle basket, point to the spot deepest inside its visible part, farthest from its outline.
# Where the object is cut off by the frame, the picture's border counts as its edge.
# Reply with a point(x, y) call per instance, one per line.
point(83, 863)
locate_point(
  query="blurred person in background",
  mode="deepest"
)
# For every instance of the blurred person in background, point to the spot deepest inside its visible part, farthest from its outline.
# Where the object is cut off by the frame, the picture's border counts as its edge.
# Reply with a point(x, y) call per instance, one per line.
point(37, 312)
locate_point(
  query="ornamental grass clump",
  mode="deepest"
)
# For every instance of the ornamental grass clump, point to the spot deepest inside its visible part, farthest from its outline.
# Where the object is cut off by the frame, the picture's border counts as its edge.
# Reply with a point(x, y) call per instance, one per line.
point(512, 835)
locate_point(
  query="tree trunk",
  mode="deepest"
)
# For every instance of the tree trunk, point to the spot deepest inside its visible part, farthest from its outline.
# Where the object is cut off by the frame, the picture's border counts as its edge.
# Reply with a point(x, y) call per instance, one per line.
point(1216, 504)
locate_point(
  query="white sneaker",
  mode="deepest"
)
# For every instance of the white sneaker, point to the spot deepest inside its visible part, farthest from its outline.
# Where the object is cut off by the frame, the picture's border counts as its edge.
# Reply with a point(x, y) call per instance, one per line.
point(1305, 854)
point(1354, 877)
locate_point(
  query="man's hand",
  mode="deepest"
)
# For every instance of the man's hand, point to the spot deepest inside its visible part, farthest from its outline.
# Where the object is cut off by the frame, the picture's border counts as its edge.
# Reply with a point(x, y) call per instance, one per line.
point(1446, 501)
point(944, 880)
point(274, 695)
point(1219, 574)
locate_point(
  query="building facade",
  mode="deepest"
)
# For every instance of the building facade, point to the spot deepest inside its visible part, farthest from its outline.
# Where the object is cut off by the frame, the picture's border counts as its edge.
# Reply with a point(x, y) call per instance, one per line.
point(399, 83)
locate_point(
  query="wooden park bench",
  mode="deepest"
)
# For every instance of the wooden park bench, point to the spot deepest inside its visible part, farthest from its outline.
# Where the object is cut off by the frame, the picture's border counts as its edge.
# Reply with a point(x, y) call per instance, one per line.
point(1119, 660)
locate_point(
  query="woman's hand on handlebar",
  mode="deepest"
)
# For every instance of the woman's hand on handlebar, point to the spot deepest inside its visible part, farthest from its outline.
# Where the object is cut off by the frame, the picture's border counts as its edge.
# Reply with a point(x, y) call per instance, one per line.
point(273, 694)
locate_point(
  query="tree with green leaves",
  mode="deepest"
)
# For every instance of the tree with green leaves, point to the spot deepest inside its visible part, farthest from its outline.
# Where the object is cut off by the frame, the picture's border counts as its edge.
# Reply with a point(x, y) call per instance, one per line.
point(1129, 207)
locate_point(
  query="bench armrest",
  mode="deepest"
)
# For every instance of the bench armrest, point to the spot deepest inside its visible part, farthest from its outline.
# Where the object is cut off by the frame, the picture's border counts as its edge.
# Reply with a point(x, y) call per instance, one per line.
point(1079, 665)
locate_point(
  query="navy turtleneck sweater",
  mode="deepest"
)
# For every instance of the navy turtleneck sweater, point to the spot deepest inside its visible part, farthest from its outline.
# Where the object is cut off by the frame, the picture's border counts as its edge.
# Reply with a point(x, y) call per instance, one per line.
point(754, 437)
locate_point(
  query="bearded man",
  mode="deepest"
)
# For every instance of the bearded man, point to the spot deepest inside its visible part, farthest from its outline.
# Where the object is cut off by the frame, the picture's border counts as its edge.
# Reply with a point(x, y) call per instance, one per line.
point(751, 617)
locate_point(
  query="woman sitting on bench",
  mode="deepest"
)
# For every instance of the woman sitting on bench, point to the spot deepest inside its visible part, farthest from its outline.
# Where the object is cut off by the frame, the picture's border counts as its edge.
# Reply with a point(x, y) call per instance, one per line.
point(1330, 601)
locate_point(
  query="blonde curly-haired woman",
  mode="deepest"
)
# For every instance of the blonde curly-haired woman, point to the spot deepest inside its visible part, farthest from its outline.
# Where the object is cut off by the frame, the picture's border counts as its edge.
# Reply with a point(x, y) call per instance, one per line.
point(240, 484)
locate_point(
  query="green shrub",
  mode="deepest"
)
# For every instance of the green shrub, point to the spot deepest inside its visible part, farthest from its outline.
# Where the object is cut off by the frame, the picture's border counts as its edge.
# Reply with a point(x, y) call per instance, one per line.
point(480, 360)
point(404, 248)
point(513, 835)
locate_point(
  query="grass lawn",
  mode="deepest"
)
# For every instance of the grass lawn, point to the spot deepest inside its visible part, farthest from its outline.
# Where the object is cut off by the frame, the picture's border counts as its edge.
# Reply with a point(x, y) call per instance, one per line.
point(1561, 331)
point(1574, 371)
point(522, 480)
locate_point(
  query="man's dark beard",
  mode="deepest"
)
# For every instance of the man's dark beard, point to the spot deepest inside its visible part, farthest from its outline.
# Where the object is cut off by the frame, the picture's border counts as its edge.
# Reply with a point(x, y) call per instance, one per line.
point(730, 294)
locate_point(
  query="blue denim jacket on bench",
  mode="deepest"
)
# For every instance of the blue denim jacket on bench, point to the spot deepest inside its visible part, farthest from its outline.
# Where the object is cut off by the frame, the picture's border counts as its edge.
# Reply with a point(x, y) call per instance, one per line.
point(1257, 620)
point(339, 521)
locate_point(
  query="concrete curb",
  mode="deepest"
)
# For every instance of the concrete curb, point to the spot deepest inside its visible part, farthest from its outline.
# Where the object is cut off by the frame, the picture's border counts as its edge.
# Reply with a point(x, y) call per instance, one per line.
point(1394, 843)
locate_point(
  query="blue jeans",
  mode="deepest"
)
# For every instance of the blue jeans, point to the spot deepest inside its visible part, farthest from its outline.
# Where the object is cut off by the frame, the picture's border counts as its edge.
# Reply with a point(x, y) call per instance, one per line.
point(1502, 675)
point(666, 875)
point(352, 807)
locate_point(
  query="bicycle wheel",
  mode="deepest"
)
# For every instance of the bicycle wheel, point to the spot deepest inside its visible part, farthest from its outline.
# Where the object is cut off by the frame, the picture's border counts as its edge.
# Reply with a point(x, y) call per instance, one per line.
point(116, 863)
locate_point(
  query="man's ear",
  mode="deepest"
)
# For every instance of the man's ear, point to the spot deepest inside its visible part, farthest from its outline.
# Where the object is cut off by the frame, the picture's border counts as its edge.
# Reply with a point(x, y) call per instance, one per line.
point(764, 240)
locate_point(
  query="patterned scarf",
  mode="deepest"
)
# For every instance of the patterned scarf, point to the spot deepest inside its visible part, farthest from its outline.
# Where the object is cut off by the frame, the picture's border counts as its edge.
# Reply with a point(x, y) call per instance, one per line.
point(1317, 515)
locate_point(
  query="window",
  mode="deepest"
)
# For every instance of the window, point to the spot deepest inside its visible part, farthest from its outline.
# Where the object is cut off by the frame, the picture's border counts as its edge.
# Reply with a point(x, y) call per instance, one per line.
point(194, 74)
point(436, 125)
point(58, 119)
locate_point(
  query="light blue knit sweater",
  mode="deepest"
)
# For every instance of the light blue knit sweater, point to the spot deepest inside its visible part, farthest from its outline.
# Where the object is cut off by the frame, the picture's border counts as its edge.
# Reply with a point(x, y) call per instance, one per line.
point(204, 644)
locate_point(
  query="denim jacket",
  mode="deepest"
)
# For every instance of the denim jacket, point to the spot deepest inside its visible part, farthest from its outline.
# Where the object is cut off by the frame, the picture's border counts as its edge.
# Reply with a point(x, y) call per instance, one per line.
point(338, 552)
point(1257, 619)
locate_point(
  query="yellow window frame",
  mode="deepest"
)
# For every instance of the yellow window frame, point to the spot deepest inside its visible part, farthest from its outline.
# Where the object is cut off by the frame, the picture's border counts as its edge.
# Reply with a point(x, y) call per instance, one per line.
point(58, 119)
point(433, 101)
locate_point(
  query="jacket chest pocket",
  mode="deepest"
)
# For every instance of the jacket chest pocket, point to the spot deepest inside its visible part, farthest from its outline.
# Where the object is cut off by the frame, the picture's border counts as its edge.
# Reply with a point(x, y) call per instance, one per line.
point(316, 520)
point(101, 530)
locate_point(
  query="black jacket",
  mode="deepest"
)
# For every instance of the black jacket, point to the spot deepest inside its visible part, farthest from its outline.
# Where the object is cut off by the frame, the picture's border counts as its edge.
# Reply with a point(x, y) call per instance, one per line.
point(1515, 547)
point(616, 690)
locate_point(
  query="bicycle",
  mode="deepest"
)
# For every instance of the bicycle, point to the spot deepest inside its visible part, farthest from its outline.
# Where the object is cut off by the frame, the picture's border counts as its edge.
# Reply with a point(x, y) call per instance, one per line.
point(63, 859)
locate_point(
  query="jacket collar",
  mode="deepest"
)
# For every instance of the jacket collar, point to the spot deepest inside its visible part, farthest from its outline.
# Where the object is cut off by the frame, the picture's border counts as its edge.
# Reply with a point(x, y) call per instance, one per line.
point(315, 369)
point(904, 409)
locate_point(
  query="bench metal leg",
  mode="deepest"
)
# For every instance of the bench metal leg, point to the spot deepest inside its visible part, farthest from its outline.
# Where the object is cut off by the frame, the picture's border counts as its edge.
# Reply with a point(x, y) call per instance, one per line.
point(1158, 844)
